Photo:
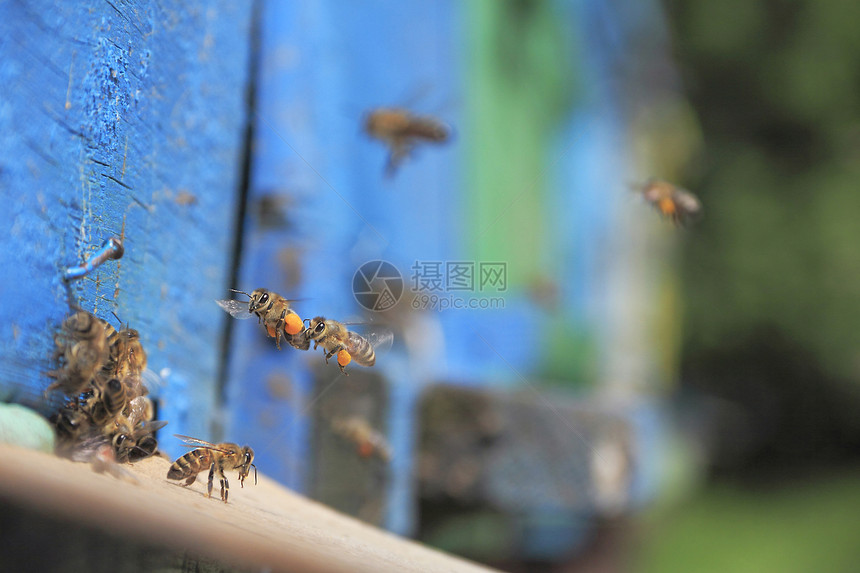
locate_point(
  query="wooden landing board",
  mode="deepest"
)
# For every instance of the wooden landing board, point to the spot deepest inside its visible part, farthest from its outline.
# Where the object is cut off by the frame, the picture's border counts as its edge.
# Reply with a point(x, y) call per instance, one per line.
point(264, 526)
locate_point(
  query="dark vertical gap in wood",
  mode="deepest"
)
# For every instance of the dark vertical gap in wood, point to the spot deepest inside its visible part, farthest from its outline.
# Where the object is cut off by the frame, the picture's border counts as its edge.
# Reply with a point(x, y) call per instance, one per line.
point(241, 209)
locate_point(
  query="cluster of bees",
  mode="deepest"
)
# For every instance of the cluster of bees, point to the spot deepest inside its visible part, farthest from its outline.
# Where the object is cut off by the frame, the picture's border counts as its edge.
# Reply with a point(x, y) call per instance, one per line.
point(101, 372)
point(280, 321)
point(108, 418)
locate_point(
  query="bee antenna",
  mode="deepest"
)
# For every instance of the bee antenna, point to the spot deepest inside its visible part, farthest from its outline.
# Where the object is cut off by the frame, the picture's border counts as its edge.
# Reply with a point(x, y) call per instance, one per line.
point(307, 322)
point(118, 319)
point(241, 292)
point(255, 473)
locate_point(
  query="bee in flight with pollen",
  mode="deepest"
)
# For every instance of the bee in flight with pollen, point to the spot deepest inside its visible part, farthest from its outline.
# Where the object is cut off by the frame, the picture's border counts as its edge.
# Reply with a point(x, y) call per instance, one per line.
point(217, 458)
point(272, 311)
point(677, 204)
point(336, 338)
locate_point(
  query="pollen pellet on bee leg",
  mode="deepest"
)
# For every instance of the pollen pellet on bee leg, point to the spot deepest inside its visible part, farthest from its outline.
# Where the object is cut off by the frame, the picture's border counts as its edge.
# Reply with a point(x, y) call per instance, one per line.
point(667, 206)
point(293, 324)
point(271, 331)
point(343, 357)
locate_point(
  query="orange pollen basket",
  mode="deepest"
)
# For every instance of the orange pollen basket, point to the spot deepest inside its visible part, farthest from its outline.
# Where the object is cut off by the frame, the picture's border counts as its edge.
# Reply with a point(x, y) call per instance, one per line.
point(343, 357)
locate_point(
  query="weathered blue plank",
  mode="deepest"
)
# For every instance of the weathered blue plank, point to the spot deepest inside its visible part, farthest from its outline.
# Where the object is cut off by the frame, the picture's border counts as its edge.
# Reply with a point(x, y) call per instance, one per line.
point(121, 119)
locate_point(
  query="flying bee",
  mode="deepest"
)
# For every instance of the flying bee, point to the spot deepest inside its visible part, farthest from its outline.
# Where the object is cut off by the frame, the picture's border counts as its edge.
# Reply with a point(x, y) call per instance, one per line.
point(335, 338)
point(271, 309)
point(401, 130)
point(368, 440)
point(215, 457)
point(82, 348)
point(679, 205)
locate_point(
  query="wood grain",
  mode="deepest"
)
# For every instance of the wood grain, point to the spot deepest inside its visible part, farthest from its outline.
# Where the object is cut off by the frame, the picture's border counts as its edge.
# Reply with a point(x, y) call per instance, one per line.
point(264, 526)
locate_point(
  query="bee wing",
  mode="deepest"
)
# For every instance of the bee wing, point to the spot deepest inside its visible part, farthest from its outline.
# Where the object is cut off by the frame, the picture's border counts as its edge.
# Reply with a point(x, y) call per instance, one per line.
point(194, 442)
point(85, 449)
point(151, 379)
point(380, 338)
point(150, 426)
point(236, 308)
point(687, 201)
point(198, 443)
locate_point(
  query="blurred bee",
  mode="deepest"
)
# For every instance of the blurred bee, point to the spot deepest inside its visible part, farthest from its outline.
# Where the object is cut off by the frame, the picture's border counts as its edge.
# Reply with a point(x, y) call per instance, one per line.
point(82, 348)
point(369, 441)
point(214, 457)
point(681, 206)
point(335, 338)
point(70, 423)
point(400, 130)
point(271, 309)
point(103, 460)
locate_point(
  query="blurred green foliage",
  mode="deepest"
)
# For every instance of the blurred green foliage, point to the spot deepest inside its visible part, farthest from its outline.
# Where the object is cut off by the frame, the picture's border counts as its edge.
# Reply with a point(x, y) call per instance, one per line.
point(809, 526)
point(775, 84)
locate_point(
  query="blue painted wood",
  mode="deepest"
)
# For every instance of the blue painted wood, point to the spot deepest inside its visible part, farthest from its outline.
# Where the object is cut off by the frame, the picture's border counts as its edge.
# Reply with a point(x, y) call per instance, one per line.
point(121, 119)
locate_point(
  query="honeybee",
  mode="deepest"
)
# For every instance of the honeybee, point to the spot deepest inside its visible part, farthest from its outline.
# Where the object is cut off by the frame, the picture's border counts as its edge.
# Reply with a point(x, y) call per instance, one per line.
point(215, 457)
point(70, 423)
point(82, 348)
point(401, 130)
point(359, 431)
point(134, 441)
point(271, 309)
point(107, 401)
point(681, 206)
point(127, 356)
point(335, 338)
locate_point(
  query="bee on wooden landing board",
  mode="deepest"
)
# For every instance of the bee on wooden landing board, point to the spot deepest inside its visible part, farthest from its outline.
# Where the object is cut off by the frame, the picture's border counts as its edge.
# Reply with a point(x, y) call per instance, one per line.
point(216, 458)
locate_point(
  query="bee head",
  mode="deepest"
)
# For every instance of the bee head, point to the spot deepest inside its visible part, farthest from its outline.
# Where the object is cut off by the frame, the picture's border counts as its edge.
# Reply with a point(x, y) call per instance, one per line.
point(247, 464)
point(316, 329)
point(259, 299)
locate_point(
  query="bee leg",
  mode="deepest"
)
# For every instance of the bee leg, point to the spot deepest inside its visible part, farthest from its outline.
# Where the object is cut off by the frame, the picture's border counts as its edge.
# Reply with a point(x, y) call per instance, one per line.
point(190, 480)
point(344, 372)
point(279, 328)
point(225, 489)
point(211, 477)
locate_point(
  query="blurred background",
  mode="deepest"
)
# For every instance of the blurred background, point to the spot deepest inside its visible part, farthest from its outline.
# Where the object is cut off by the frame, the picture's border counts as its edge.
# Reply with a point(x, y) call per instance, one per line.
point(576, 383)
